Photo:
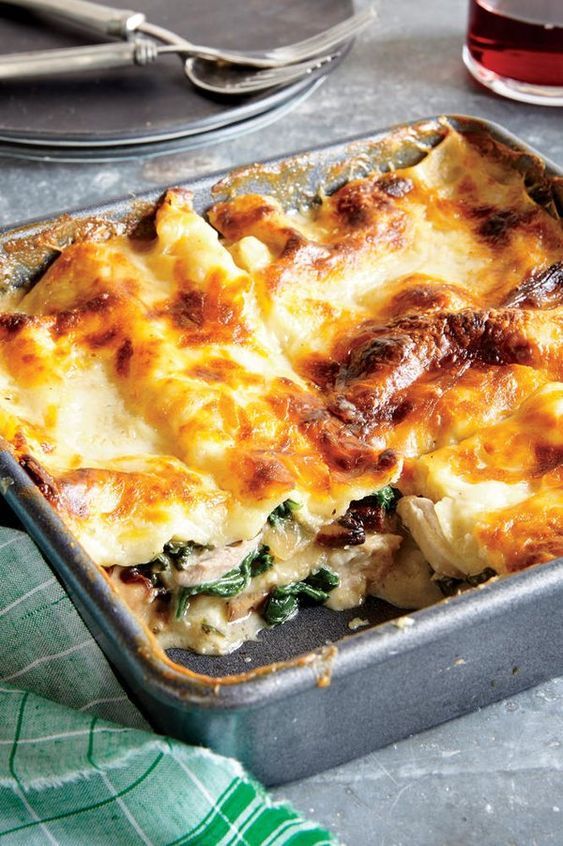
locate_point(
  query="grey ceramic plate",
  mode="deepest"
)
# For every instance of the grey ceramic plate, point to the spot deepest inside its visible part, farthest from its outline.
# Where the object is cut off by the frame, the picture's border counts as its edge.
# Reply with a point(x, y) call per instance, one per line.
point(150, 149)
point(156, 103)
point(310, 694)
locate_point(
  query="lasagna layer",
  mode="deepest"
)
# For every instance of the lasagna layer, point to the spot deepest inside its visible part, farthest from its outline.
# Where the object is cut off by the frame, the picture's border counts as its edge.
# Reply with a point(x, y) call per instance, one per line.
point(274, 407)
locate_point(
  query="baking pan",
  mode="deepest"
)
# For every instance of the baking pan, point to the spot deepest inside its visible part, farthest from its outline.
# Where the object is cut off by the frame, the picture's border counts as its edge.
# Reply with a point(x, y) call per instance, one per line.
point(310, 694)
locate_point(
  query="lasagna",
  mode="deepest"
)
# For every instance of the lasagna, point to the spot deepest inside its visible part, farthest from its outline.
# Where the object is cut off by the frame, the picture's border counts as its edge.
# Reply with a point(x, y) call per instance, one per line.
point(267, 407)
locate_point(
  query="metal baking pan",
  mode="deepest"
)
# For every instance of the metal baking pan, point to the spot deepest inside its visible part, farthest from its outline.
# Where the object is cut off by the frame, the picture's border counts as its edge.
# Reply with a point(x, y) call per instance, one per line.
point(310, 694)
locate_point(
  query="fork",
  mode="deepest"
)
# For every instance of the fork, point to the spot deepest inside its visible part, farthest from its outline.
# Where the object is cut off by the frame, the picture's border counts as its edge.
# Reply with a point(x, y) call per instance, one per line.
point(125, 23)
point(234, 81)
point(231, 80)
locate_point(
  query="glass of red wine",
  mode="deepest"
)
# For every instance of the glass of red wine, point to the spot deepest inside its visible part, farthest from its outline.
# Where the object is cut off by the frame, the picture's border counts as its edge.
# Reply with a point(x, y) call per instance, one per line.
point(515, 48)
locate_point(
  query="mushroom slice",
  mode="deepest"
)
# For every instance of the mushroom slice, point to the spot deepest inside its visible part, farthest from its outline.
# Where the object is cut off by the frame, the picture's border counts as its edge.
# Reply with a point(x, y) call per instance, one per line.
point(213, 564)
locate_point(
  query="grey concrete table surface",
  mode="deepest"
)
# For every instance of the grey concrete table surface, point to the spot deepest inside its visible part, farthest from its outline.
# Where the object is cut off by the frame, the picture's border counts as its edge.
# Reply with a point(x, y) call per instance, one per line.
point(493, 778)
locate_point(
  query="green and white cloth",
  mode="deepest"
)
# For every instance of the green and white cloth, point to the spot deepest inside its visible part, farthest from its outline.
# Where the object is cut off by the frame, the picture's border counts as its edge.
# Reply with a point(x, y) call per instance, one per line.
point(78, 763)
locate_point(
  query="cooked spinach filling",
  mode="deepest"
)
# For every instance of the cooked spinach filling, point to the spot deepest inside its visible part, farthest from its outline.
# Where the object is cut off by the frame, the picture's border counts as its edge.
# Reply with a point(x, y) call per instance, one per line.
point(177, 554)
point(283, 512)
point(232, 583)
point(451, 587)
point(283, 602)
point(387, 498)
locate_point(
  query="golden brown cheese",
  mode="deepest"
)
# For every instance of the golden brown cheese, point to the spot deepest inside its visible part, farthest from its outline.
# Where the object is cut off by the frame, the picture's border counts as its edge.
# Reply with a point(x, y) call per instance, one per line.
point(452, 315)
point(154, 360)
point(184, 387)
point(495, 499)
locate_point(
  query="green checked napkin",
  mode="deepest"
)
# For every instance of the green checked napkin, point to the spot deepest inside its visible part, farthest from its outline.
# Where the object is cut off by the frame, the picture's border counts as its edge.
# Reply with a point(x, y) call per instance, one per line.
point(79, 765)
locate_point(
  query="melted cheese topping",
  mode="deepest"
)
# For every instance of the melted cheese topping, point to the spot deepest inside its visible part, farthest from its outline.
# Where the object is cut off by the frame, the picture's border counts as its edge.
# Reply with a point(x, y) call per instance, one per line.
point(145, 382)
point(494, 499)
point(186, 386)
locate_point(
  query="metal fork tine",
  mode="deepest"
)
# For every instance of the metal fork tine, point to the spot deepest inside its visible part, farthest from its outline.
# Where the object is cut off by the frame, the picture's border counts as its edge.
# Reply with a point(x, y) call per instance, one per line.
point(324, 40)
point(279, 76)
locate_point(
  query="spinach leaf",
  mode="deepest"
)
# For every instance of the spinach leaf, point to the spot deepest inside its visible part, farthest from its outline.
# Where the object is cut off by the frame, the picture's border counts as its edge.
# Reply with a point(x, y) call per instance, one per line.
point(182, 603)
point(451, 587)
point(160, 563)
point(280, 607)
point(181, 553)
point(283, 602)
point(481, 577)
point(231, 583)
point(177, 554)
point(323, 579)
point(283, 512)
point(260, 561)
point(387, 497)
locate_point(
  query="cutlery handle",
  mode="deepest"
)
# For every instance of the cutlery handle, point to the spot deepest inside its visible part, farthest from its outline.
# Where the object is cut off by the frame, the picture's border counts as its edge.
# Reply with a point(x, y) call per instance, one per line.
point(103, 19)
point(116, 54)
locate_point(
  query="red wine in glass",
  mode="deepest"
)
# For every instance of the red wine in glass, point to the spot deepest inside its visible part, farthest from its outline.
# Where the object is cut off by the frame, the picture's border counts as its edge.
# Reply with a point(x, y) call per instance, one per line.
point(515, 47)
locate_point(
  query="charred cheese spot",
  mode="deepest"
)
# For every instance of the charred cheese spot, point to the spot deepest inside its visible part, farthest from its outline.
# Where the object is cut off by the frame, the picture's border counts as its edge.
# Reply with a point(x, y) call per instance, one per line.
point(496, 225)
point(543, 289)
point(380, 362)
point(123, 357)
point(248, 215)
point(187, 309)
point(261, 476)
point(11, 324)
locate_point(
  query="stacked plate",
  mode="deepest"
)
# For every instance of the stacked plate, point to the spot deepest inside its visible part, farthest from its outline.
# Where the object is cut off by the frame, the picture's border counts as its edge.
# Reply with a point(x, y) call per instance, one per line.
point(150, 110)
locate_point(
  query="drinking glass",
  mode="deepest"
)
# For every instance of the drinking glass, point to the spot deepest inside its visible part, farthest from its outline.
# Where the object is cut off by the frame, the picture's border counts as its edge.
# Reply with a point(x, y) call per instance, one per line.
point(515, 48)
